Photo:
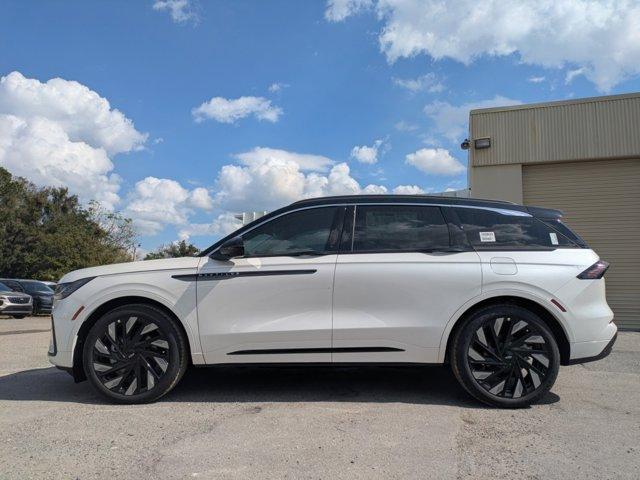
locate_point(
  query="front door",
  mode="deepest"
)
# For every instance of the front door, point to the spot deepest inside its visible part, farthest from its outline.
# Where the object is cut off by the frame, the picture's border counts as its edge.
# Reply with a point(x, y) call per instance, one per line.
point(274, 303)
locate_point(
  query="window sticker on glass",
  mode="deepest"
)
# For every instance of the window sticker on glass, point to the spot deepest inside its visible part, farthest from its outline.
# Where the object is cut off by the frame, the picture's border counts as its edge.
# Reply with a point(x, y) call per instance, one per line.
point(487, 236)
point(554, 238)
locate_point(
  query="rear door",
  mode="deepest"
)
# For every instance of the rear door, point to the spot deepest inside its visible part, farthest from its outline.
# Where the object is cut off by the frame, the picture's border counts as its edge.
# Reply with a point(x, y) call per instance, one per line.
point(398, 281)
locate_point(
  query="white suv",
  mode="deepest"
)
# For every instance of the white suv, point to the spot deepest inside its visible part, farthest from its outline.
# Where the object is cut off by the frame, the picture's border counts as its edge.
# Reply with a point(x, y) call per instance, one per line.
point(502, 292)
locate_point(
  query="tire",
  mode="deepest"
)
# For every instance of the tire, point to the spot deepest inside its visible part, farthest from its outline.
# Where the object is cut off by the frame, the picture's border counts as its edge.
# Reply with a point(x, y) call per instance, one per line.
point(505, 356)
point(18, 316)
point(135, 354)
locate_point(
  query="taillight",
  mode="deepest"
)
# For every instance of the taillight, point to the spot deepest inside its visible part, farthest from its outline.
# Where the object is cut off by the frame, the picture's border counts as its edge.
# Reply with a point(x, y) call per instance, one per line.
point(595, 271)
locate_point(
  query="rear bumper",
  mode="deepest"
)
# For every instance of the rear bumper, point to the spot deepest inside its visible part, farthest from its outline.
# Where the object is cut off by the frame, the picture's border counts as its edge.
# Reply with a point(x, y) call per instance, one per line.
point(584, 352)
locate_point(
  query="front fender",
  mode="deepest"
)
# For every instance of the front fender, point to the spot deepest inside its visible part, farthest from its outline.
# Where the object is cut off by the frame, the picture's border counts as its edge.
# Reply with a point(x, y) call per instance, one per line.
point(176, 296)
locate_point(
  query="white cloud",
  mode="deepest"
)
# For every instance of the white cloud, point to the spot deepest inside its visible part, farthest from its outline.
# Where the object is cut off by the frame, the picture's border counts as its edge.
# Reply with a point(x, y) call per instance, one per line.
point(61, 133)
point(41, 151)
point(156, 202)
point(436, 161)
point(224, 224)
point(268, 181)
point(374, 190)
point(451, 121)
point(200, 198)
point(83, 114)
point(338, 10)
point(603, 37)
point(305, 161)
point(536, 79)
point(277, 87)
point(181, 11)
point(408, 190)
point(571, 74)
point(365, 154)
point(428, 82)
point(226, 110)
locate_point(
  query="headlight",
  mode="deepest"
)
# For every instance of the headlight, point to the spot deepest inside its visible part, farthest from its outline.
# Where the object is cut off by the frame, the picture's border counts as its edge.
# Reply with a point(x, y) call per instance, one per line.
point(63, 290)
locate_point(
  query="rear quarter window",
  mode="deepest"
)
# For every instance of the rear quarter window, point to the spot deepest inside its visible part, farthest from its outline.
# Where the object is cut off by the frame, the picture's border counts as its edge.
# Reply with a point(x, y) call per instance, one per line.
point(488, 229)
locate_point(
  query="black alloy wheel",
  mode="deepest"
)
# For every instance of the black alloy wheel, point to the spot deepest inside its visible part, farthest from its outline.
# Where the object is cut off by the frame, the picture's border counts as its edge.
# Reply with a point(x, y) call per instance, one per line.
point(506, 356)
point(135, 354)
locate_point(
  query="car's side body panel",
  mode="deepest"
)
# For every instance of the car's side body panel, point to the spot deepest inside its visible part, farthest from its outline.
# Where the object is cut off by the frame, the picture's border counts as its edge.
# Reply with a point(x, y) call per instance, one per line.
point(399, 301)
point(543, 276)
point(260, 309)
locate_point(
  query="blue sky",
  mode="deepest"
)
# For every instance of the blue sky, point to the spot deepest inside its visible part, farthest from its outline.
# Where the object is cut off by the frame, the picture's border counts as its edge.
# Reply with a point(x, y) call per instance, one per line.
point(319, 78)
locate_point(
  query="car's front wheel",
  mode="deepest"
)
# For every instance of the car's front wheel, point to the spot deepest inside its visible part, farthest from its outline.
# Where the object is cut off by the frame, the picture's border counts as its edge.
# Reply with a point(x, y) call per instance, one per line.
point(505, 356)
point(135, 354)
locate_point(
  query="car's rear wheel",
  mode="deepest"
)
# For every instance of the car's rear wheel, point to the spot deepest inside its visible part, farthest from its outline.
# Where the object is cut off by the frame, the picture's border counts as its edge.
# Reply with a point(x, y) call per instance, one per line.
point(505, 356)
point(18, 316)
point(135, 354)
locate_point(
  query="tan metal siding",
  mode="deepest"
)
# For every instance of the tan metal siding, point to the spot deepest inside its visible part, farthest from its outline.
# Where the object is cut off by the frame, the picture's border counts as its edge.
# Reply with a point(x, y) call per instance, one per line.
point(601, 202)
point(590, 129)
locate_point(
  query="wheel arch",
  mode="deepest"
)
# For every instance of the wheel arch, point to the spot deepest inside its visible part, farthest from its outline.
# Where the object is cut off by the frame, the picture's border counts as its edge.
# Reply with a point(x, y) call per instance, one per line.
point(550, 320)
point(77, 369)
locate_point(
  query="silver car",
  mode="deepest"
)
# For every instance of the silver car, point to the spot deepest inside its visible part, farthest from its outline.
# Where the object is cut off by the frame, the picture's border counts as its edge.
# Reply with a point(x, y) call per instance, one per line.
point(16, 304)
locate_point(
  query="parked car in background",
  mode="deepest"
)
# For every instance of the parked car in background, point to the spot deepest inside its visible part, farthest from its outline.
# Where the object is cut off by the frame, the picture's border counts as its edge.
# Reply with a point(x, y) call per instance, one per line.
point(42, 294)
point(503, 293)
point(51, 285)
point(16, 304)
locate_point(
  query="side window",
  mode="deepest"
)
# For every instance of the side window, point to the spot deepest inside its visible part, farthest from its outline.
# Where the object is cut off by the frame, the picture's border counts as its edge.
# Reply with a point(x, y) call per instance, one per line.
point(311, 230)
point(399, 228)
point(493, 230)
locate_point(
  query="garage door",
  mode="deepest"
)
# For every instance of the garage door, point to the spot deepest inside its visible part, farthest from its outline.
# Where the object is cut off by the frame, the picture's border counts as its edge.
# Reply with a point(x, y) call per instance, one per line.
point(601, 202)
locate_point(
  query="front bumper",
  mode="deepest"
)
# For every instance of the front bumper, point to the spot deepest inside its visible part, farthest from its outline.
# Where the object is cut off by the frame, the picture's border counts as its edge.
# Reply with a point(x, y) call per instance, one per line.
point(60, 348)
point(53, 346)
point(16, 309)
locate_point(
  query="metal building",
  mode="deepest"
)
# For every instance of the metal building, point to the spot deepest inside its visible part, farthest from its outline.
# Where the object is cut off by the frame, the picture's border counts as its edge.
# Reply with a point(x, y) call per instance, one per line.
point(580, 156)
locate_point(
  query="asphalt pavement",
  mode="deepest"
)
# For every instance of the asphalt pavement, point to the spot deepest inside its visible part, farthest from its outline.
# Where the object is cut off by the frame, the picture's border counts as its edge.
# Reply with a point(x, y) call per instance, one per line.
point(316, 423)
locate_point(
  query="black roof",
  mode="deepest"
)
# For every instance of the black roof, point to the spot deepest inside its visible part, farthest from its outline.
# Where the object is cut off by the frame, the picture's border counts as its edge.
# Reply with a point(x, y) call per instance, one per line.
point(477, 202)
point(440, 200)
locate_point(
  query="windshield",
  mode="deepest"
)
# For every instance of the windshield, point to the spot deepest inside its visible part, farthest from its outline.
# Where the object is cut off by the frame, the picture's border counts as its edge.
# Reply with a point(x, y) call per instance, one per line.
point(36, 287)
point(4, 288)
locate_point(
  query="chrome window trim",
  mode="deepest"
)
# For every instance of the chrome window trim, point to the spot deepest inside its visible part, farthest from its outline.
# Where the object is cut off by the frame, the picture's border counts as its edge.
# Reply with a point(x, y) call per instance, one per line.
point(502, 211)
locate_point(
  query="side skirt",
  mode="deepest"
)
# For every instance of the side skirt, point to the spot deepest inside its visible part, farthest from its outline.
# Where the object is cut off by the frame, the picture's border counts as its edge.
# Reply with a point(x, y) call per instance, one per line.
point(284, 351)
point(319, 364)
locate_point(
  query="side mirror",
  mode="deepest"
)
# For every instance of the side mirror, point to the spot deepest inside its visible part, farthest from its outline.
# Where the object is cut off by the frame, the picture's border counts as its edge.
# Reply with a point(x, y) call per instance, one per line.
point(230, 249)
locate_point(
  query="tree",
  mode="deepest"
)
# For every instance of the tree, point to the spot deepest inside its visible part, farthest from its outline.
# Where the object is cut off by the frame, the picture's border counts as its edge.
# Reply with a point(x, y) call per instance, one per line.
point(45, 232)
point(118, 229)
point(173, 250)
